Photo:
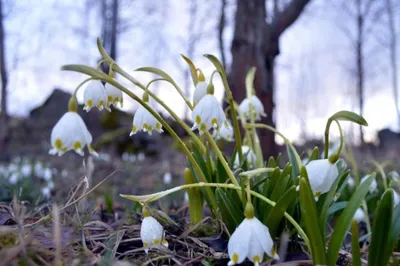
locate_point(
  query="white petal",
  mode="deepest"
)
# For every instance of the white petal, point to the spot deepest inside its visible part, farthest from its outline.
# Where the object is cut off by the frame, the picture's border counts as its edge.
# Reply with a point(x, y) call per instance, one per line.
point(359, 216)
point(113, 94)
point(151, 230)
point(256, 250)
point(96, 93)
point(317, 171)
point(262, 233)
point(238, 245)
point(396, 198)
point(199, 92)
point(374, 185)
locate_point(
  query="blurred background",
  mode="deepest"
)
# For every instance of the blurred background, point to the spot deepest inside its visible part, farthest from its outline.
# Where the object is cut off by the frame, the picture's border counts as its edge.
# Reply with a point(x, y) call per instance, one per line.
point(313, 58)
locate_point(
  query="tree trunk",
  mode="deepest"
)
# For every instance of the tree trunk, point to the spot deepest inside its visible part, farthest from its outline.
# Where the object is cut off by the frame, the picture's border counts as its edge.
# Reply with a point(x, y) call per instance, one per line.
point(3, 74)
point(393, 57)
point(360, 65)
point(256, 43)
point(109, 14)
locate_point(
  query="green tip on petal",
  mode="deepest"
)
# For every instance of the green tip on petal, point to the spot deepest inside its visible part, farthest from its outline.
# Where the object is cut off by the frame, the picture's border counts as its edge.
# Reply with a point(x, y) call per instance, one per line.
point(334, 158)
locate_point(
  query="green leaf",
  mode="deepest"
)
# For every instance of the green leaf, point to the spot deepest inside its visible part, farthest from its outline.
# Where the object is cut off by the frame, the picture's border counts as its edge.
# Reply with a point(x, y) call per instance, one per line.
point(314, 155)
point(294, 160)
point(93, 72)
point(232, 214)
point(310, 218)
point(327, 200)
point(344, 221)
point(217, 64)
point(275, 215)
point(193, 69)
point(378, 252)
point(337, 206)
point(395, 232)
point(349, 116)
point(355, 245)
point(155, 71)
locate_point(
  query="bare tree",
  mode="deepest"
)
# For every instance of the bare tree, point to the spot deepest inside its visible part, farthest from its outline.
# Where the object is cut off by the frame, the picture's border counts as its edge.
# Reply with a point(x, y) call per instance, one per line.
point(4, 80)
point(364, 17)
point(256, 43)
point(221, 28)
point(109, 14)
point(393, 56)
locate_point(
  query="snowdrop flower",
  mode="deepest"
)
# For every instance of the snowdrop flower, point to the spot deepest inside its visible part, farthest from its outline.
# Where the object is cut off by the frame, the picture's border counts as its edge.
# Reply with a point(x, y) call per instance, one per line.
point(250, 156)
point(208, 114)
point(26, 170)
point(252, 108)
point(374, 186)
point(225, 132)
point(13, 178)
point(250, 239)
point(199, 92)
point(151, 232)
point(321, 173)
point(351, 181)
point(95, 96)
point(70, 133)
point(359, 216)
point(114, 95)
point(144, 120)
point(167, 178)
point(47, 175)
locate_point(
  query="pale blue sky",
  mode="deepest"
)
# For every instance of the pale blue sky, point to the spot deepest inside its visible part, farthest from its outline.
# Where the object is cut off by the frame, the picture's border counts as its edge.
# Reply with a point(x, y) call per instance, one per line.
point(313, 81)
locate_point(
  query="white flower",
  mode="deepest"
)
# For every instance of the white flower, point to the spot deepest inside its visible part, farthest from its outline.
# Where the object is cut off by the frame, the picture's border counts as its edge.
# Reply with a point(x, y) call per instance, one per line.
point(167, 178)
point(252, 108)
point(26, 170)
point(152, 233)
point(250, 239)
point(322, 174)
point(144, 120)
point(114, 95)
point(359, 216)
point(199, 92)
point(351, 181)
point(95, 96)
point(374, 185)
point(13, 179)
point(208, 114)
point(250, 157)
point(70, 133)
point(47, 175)
point(225, 132)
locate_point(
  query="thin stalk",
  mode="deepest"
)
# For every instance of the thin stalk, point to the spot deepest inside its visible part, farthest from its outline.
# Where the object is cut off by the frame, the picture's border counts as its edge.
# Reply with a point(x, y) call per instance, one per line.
point(326, 147)
point(80, 85)
point(222, 159)
point(159, 195)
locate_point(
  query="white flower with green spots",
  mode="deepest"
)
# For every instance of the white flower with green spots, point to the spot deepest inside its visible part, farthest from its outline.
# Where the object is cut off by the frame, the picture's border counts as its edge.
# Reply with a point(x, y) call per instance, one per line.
point(225, 132)
point(252, 108)
point(144, 120)
point(70, 133)
point(152, 233)
point(95, 95)
point(208, 114)
point(114, 95)
point(250, 239)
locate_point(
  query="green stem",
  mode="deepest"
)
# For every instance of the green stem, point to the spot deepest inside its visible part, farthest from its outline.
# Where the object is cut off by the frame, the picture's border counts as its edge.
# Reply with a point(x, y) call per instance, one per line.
point(123, 73)
point(341, 138)
point(382, 172)
point(298, 160)
point(80, 85)
point(326, 148)
point(365, 207)
point(222, 159)
point(159, 195)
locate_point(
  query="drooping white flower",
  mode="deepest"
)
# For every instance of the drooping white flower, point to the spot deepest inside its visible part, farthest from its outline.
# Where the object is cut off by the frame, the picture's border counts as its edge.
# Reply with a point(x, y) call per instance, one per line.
point(95, 95)
point(374, 185)
point(351, 181)
point(152, 233)
point(252, 108)
point(208, 114)
point(144, 120)
point(322, 174)
point(359, 216)
point(225, 132)
point(249, 155)
point(114, 95)
point(250, 239)
point(167, 178)
point(70, 133)
point(199, 92)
